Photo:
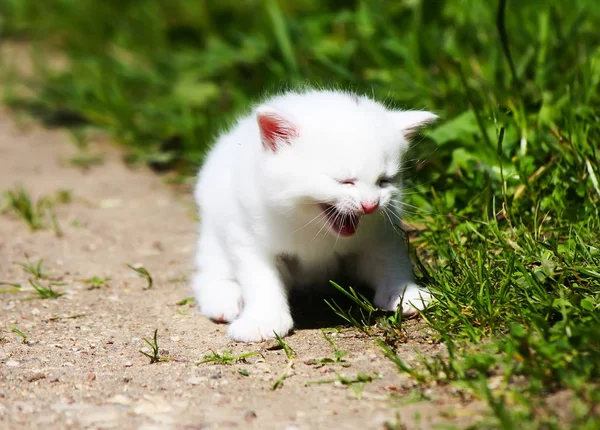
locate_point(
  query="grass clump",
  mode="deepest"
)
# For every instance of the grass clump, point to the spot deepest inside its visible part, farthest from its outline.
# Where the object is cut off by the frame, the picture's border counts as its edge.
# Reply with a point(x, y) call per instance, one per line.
point(36, 270)
point(20, 203)
point(39, 280)
point(38, 214)
point(46, 291)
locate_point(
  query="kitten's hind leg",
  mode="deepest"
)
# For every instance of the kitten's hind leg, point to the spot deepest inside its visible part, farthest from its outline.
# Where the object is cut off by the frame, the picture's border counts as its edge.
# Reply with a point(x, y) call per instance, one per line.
point(217, 293)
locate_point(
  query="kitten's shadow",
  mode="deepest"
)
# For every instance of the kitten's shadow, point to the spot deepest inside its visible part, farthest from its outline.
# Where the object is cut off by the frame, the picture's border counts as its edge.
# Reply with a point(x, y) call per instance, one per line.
point(310, 311)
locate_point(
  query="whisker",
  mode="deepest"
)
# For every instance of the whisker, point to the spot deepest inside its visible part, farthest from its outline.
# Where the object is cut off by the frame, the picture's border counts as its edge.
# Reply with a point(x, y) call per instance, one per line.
point(385, 212)
point(397, 216)
point(320, 215)
point(322, 227)
point(399, 202)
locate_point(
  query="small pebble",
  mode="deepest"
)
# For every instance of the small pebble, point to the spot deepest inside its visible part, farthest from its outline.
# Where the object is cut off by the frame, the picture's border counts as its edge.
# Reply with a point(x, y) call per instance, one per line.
point(12, 363)
point(121, 400)
point(35, 377)
point(128, 363)
point(249, 416)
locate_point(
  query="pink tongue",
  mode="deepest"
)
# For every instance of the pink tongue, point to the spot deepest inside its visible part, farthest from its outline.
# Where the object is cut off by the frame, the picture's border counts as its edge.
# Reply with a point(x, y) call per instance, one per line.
point(347, 226)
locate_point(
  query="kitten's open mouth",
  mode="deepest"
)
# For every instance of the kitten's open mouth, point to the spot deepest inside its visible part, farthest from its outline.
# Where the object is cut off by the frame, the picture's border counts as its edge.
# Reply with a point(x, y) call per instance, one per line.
point(344, 224)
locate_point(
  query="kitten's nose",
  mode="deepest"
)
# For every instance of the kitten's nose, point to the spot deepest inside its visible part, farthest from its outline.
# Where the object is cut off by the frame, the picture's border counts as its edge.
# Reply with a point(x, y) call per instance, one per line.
point(369, 207)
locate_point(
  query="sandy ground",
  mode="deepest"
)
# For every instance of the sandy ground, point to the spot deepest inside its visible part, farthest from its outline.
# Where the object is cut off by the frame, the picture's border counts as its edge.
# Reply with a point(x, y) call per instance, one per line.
point(80, 366)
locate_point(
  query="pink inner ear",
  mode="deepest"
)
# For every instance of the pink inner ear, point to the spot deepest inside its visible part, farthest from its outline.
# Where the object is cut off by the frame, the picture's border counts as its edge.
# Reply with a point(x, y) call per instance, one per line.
point(275, 130)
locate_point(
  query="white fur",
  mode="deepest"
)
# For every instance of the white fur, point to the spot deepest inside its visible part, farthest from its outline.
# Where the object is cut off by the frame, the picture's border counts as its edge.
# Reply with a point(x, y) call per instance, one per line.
point(257, 204)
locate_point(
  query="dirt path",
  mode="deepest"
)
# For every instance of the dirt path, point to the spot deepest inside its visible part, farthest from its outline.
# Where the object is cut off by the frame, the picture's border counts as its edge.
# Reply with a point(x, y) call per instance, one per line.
point(80, 366)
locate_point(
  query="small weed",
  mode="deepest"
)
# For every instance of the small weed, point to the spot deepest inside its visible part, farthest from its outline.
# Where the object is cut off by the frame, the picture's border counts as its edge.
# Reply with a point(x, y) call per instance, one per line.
point(154, 357)
point(180, 278)
point(85, 160)
point(77, 224)
point(356, 384)
point(34, 269)
point(35, 214)
point(225, 358)
point(46, 291)
point(393, 332)
point(38, 273)
point(143, 273)
point(365, 309)
point(244, 372)
point(96, 282)
point(63, 196)
point(396, 424)
point(389, 353)
point(291, 360)
point(20, 333)
point(186, 301)
point(338, 355)
point(20, 203)
point(15, 287)
point(289, 351)
point(284, 375)
point(68, 317)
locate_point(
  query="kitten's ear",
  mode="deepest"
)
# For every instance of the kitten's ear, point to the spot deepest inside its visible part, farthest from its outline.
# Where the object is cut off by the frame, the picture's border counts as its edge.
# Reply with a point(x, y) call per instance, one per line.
point(275, 130)
point(410, 121)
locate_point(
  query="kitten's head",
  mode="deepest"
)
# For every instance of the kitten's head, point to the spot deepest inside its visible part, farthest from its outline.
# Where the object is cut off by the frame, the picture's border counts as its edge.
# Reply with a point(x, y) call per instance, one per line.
point(331, 158)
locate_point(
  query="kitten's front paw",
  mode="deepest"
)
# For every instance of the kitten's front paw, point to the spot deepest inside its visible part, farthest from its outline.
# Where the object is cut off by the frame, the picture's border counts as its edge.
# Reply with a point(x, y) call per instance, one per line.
point(218, 300)
point(415, 299)
point(258, 327)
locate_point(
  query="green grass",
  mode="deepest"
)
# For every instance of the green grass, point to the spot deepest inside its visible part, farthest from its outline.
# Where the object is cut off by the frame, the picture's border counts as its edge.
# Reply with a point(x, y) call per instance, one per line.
point(504, 191)
point(154, 354)
point(36, 270)
point(144, 274)
point(290, 354)
point(87, 160)
point(96, 282)
point(45, 291)
point(186, 301)
point(226, 358)
point(39, 280)
point(20, 203)
point(356, 383)
point(338, 355)
point(38, 214)
point(20, 333)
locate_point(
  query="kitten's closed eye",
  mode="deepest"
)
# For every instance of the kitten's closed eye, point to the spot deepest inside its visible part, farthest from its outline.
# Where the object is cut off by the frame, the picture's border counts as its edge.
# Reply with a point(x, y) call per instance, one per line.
point(384, 182)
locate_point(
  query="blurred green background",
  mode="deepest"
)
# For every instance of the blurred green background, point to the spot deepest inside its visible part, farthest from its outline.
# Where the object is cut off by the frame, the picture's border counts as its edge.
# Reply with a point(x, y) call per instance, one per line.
point(164, 77)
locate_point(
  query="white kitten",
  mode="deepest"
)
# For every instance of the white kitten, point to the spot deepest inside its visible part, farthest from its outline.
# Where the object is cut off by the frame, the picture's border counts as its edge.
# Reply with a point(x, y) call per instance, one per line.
point(307, 181)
